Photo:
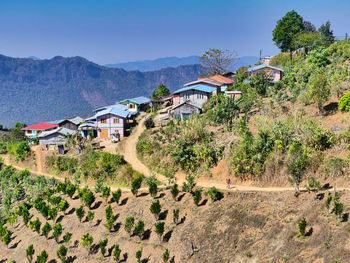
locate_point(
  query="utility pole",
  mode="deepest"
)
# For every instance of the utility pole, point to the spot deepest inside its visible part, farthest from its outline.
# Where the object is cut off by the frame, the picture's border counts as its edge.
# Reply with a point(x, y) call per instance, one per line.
point(260, 55)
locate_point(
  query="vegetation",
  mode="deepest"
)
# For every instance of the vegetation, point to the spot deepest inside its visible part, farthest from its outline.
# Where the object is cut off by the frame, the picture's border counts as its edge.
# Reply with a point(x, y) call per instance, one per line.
point(302, 227)
point(29, 253)
point(129, 224)
point(62, 253)
point(57, 231)
point(197, 196)
point(103, 243)
point(87, 241)
point(116, 253)
point(155, 208)
point(160, 91)
point(166, 256)
point(136, 184)
point(117, 195)
point(159, 229)
point(139, 229)
point(80, 212)
point(42, 257)
point(174, 191)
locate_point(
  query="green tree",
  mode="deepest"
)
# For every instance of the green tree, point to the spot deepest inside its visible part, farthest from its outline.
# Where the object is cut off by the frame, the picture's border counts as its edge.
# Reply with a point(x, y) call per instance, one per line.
point(35, 225)
point(326, 34)
point(117, 195)
point(42, 257)
point(338, 208)
point(189, 184)
point(216, 61)
point(174, 191)
point(103, 243)
point(99, 184)
point(110, 218)
point(286, 30)
point(214, 194)
point(136, 184)
point(129, 224)
point(302, 227)
point(139, 229)
point(70, 190)
point(29, 253)
point(86, 241)
point(139, 254)
point(53, 213)
point(63, 205)
point(67, 237)
point(197, 196)
point(46, 229)
point(57, 231)
point(344, 103)
point(152, 186)
point(88, 198)
point(80, 212)
point(306, 40)
point(62, 253)
point(319, 89)
point(260, 82)
point(159, 229)
point(166, 256)
point(90, 216)
point(160, 91)
point(297, 161)
point(176, 213)
point(155, 209)
point(7, 237)
point(106, 192)
point(336, 167)
point(116, 253)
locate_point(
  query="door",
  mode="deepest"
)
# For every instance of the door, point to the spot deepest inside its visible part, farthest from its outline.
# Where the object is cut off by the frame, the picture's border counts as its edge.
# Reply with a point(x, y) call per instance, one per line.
point(104, 133)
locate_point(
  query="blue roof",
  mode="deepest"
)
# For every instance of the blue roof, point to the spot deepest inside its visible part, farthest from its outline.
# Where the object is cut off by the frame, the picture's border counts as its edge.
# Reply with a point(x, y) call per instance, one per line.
point(199, 87)
point(113, 110)
point(263, 66)
point(137, 100)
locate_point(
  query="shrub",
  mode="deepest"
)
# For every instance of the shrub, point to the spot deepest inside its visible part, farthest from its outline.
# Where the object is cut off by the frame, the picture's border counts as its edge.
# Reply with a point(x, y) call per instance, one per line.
point(159, 229)
point(103, 244)
point(338, 208)
point(42, 257)
point(86, 241)
point(197, 196)
point(110, 218)
point(176, 213)
point(90, 216)
point(106, 192)
point(7, 237)
point(46, 229)
point(63, 205)
point(129, 224)
point(155, 208)
point(174, 191)
point(53, 213)
point(166, 256)
point(88, 198)
point(344, 103)
point(80, 212)
point(139, 229)
point(99, 184)
point(139, 255)
point(313, 184)
point(62, 253)
point(328, 201)
point(214, 194)
point(117, 195)
point(136, 184)
point(189, 184)
point(302, 227)
point(116, 252)
point(22, 151)
point(55, 200)
point(35, 225)
point(57, 231)
point(152, 186)
point(70, 190)
point(29, 253)
point(67, 237)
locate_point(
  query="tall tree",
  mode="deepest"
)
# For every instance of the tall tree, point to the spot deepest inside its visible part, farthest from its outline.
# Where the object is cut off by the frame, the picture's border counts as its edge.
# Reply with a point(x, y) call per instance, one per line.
point(286, 29)
point(309, 27)
point(216, 61)
point(160, 91)
point(326, 33)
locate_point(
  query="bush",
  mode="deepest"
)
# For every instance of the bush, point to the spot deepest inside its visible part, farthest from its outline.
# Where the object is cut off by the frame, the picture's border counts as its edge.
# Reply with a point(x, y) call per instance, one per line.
point(63, 205)
point(136, 184)
point(53, 213)
point(116, 253)
point(159, 229)
point(103, 244)
point(80, 212)
point(22, 151)
point(176, 213)
point(189, 184)
point(106, 192)
point(46, 229)
point(174, 191)
point(117, 195)
point(214, 194)
point(129, 224)
point(328, 201)
point(62, 253)
point(155, 209)
point(166, 256)
point(110, 218)
point(197, 196)
point(29, 253)
point(67, 237)
point(90, 216)
point(86, 241)
point(57, 231)
point(35, 225)
point(42, 257)
point(139, 255)
point(152, 186)
point(302, 227)
point(344, 103)
point(139, 229)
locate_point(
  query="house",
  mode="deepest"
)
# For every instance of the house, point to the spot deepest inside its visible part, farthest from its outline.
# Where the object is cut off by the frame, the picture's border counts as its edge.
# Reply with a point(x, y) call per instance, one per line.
point(218, 85)
point(229, 74)
point(88, 128)
point(235, 94)
point(185, 109)
point(135, 105)
point(226, 81)
point(71, 123)
point(111, 120)
point(33, 131)
point(57, 136)
point(276, 73)
point(197, 94)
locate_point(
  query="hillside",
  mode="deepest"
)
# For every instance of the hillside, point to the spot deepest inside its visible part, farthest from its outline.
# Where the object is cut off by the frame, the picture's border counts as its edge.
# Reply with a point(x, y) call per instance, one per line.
point(156, 64)
point(43, 90)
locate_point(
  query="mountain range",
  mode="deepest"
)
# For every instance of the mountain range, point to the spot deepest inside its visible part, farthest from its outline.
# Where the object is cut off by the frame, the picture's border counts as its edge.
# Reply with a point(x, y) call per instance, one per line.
point(45, 90)
point(156, 64)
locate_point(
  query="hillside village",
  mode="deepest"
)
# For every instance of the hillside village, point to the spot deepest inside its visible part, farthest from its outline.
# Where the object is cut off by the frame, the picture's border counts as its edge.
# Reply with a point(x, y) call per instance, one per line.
point(244, 166)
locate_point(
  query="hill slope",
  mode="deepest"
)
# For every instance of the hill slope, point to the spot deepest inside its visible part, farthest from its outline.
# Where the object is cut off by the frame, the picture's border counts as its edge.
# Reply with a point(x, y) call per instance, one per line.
point(149, 65)
point(44, 90)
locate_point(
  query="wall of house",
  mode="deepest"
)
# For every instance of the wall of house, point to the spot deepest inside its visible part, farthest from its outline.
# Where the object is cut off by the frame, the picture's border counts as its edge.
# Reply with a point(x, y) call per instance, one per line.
point(69, 125)
point(185, 110)
point(110, 125)
point(176, 99)
point(53, 139)
point(275, 74)
point(33, 134)
point(195, 96)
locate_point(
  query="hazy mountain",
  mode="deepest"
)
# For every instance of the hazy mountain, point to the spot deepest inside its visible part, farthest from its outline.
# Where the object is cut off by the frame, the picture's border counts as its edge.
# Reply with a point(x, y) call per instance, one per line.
point(150, 65)
point(34, 58)
point(49, 89)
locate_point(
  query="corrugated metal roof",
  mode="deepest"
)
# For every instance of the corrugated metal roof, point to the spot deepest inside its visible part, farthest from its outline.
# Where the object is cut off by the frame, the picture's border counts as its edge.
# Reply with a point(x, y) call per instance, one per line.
point(120, 106)
point(76, 120)
point(199, 87)
point(263, 66)
point(61, 130)
point(205, 80)
point(88, 124)
point(42, 126)
point(137, 100)
point(189, 103)
point(222, 79)
point(113, 110)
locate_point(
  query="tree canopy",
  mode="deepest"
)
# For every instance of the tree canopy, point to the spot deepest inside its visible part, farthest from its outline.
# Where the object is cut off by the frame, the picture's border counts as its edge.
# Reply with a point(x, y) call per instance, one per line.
point(216, 61)
point(160, 91)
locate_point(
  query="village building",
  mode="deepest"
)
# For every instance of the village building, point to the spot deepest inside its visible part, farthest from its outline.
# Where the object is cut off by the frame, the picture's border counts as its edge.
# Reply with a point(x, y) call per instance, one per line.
point(88, 129)
point(275, 72)
point(197, 94)
point(71, 123)
point(218, 85)
point(33, 131)
point(185, 109)
point(234, 94)
point(135, 105)
point(57, 136)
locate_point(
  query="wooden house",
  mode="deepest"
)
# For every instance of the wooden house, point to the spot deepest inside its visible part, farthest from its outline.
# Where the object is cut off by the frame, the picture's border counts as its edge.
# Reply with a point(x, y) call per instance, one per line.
point(111, 120)
point(71, 123)
point(135, 105)
point(275, 72)
point(197, 94)
point(57, 136)
point(185, 109)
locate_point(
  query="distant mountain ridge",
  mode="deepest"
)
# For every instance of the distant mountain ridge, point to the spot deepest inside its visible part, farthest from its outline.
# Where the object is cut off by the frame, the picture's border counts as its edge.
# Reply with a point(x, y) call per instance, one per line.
point(156, 64)
point(44, 90)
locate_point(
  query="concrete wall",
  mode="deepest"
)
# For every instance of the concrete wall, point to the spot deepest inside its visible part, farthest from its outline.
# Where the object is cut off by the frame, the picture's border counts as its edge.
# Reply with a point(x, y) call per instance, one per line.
point(110, 125)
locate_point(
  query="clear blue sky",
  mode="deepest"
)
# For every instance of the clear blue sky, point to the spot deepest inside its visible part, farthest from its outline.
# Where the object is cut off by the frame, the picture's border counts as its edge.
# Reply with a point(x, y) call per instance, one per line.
point(108, 31)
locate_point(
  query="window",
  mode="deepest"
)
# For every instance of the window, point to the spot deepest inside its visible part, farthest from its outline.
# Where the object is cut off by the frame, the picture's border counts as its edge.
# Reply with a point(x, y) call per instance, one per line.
point(116, 120)
point(187, 96)
point(116, 131)
point(104, 120)
point(200, 96)
point(29, 131)
point(132, 106)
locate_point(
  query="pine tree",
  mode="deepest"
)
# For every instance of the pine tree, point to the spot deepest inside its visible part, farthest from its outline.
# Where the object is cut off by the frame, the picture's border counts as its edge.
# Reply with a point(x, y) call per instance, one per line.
point(174, 191)
point(62, 253)
point(103, 244)
point(117, 195)
point(116, 253)
point(155, 208)
point(46, 229)
point(159, 229)
point(80, 212)
point(29, 253)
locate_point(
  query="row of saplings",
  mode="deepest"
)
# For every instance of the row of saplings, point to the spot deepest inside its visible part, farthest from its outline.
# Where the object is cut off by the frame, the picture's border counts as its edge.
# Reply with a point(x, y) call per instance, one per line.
point(338, 209)
point(50, 204)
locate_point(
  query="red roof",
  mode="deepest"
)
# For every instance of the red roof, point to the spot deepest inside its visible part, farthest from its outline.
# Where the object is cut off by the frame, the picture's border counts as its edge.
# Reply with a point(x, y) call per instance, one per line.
point(43, 126)
point(223, 79)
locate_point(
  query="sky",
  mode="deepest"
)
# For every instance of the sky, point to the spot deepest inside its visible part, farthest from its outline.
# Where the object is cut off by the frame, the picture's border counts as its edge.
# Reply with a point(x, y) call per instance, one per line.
point(113, 31)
